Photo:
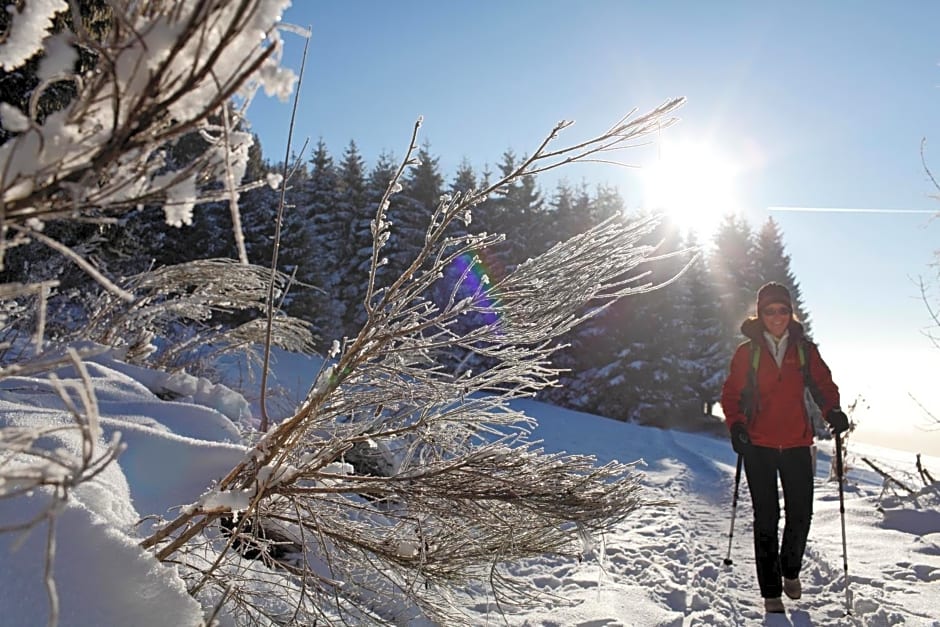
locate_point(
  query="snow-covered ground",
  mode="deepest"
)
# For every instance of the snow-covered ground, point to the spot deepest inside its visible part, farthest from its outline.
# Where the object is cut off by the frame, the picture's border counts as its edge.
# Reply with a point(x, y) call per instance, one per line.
point(663, 567)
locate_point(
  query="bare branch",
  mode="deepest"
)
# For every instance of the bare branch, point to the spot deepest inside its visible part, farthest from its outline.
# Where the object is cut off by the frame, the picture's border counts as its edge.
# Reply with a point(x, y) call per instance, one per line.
point(277, 243)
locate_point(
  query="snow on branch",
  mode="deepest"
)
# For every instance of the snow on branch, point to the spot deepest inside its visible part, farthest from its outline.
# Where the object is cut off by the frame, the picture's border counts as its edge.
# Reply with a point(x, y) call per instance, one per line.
point(190, 295)
point(164, 70)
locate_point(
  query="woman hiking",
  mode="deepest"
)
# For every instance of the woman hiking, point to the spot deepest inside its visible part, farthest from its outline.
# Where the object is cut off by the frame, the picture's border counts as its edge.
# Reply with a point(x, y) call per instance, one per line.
point(765, 411)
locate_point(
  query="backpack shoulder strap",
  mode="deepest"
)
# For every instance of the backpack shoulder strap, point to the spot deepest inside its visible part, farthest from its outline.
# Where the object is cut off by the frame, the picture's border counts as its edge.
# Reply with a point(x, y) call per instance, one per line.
point(749, 397)
point(807, 378)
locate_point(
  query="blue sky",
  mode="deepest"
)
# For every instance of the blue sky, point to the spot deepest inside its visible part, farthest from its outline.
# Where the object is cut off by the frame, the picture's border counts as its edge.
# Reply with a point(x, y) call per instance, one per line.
point(818, 104)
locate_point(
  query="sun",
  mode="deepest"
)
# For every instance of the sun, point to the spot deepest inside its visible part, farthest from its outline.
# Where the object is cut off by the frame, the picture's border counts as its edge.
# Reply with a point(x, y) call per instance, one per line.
point(693, 184)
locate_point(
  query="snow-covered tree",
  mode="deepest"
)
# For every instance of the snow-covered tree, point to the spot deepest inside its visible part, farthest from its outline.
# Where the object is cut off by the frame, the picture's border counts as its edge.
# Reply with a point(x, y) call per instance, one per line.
point(589, 348)
point(321, 259)
point(569, 212)
point(705, 361)
point(422, 187)
point(518, 208)
point(352, 201)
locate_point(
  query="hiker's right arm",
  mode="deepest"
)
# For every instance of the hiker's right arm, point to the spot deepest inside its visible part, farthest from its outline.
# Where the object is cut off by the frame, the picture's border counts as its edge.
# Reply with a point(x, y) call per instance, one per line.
point(734, 386)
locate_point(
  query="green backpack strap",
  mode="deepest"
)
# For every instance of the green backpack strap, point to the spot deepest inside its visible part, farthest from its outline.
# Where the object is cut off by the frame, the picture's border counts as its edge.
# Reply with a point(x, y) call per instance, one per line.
point(749, 400)
point(807, 378)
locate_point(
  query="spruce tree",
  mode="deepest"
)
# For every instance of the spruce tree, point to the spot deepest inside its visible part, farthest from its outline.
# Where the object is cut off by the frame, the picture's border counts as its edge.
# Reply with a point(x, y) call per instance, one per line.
point(259, 208)
point(652, 362)
point(734, 276)
point(465, 179)
point(320, 266)
point(352, 199)
point(704, 363)
point(297, 239)
point(570, 213)
point(772, 263)
point(589, 346)
point(519, 210)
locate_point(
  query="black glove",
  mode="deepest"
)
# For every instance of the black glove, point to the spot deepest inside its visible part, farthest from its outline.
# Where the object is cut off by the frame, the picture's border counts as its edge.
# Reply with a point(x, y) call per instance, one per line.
point(740, 440)
point(838, 421)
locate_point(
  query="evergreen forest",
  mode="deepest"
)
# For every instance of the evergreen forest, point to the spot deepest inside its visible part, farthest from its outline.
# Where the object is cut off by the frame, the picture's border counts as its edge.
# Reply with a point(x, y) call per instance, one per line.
point(658, 358)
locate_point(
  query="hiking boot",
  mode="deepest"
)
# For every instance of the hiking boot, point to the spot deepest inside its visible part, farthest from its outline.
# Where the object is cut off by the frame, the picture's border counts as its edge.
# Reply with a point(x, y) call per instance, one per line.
point(792, 588)
point(774, 606)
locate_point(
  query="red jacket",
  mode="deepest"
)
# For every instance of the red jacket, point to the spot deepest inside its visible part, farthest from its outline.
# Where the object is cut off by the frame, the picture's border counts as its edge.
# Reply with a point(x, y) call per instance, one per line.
point(781, 420)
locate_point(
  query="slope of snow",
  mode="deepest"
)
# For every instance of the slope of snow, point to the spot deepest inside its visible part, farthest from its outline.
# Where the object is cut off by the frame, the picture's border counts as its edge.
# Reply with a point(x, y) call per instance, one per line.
point(663, 567)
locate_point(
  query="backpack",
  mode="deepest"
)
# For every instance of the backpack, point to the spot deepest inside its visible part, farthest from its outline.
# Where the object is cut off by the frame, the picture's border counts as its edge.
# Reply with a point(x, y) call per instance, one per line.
point(812, 397)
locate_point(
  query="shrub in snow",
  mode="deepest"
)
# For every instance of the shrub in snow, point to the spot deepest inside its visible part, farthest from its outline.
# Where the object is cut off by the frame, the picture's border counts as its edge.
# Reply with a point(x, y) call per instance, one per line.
point(460, 488)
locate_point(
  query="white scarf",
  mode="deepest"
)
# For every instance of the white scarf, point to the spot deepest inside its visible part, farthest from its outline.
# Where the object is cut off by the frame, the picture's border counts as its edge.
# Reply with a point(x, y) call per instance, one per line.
point(778, 348)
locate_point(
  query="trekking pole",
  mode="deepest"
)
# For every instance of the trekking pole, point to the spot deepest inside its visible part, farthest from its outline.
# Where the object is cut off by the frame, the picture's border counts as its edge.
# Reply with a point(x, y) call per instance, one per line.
point(845, 559)
point(734, 508)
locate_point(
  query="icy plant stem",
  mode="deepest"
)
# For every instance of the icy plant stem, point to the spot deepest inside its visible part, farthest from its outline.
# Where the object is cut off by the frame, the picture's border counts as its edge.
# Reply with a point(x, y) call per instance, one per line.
point(277, 245)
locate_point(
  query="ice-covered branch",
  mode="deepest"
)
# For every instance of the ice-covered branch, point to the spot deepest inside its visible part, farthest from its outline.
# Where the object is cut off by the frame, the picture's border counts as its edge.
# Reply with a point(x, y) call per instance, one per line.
point(456, 474)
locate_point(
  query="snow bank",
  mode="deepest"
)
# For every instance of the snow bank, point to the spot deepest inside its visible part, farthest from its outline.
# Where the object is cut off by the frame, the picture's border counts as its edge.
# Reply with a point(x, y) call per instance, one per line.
point(102, 577)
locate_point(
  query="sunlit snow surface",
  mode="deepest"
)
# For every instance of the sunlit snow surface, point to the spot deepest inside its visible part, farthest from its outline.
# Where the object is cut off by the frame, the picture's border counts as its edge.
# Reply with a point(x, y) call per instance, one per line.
point(663, 567)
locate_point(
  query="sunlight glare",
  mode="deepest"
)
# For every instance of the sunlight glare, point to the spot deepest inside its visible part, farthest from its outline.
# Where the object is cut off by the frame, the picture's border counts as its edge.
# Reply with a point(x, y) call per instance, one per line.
point(693, 184)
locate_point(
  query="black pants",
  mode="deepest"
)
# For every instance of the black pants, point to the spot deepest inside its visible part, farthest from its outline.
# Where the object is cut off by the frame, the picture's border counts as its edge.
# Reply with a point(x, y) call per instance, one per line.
point(795, 467)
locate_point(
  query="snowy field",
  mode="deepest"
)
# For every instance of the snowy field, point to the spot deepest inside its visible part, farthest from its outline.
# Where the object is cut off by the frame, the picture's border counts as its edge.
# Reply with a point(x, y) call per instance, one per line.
point(663, 568)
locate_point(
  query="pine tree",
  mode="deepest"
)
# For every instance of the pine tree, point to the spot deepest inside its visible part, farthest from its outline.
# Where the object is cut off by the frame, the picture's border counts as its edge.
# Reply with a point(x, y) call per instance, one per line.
point(652, 362)
point(589, 346)
point(570, 213)
point(297, 237)
point(734, 276)
point(320, 266)
point(259, 208)
point(465, 179)
point(704, 362)
point(352, 200)
point(607, 203)
point(521, 211)
point(772, 263)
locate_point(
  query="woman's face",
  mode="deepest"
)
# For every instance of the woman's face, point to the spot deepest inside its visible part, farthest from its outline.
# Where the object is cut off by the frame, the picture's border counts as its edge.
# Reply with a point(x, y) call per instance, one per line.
point(776, 317)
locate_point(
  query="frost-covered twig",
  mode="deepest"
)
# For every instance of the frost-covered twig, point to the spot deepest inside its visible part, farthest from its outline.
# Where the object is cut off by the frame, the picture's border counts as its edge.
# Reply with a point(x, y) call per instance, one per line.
point(279, 221)
point(193, 293)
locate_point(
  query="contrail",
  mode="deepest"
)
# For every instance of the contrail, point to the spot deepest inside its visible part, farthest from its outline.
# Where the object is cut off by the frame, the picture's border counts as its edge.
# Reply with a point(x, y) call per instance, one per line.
point(850, 210)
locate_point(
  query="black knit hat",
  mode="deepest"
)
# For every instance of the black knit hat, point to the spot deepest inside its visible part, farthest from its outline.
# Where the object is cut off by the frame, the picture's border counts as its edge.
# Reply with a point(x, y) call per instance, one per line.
point(771, 293)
